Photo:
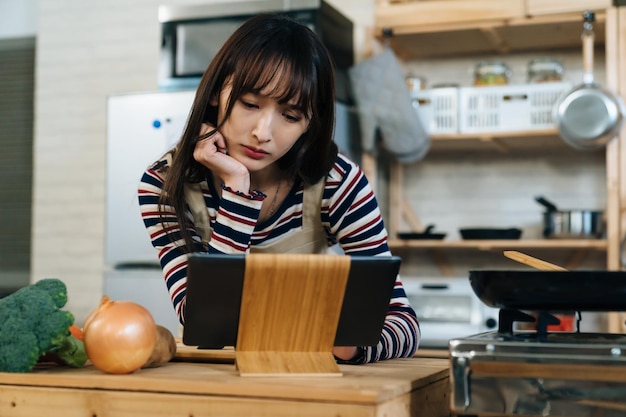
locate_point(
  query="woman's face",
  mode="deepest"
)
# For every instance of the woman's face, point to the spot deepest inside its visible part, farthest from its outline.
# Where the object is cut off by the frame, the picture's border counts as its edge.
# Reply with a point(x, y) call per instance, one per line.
point(260, 130)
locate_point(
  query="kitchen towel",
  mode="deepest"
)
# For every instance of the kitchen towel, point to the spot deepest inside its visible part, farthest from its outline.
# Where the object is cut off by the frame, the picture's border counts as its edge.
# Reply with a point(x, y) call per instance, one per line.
point(384, 106)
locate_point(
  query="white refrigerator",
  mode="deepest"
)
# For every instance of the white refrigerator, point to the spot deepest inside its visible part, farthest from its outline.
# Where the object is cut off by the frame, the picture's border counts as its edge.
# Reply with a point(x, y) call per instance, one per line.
point(140, 128)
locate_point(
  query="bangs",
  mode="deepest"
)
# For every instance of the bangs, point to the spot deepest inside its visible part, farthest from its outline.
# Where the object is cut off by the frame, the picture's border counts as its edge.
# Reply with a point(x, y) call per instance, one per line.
point(273, 56)
point(279, 77)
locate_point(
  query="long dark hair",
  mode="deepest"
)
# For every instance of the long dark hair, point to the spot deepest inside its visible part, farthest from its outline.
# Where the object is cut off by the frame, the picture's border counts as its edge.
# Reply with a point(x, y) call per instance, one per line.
point(261, 48)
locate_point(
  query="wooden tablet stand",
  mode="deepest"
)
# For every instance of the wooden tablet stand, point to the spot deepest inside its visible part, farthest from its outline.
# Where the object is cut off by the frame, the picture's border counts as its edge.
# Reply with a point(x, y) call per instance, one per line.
point(290, 308)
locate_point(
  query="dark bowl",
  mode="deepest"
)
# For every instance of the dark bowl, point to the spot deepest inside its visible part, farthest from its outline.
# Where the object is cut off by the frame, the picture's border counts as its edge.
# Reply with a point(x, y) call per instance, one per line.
point(490, 233)
point(421, 236)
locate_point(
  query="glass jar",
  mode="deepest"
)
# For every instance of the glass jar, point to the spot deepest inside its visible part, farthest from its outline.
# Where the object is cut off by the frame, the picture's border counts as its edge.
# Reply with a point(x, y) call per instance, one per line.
point(543, 70)
point(415, 83)
point(491, 73)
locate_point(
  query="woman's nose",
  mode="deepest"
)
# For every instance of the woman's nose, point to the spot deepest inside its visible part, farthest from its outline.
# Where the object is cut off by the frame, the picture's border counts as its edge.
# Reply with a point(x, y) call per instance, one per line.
point(263, 128)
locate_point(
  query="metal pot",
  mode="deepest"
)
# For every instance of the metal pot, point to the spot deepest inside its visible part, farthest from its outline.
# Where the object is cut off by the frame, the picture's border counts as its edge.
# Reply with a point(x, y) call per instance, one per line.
point(589, 115)
point(571, 224)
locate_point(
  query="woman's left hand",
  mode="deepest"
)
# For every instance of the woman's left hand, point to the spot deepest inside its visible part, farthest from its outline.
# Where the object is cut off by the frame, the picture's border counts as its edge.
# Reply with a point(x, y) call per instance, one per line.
point(345, 352)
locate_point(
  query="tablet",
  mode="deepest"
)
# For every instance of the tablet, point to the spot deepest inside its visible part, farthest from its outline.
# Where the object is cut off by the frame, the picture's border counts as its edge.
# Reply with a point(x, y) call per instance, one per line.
point(215, 285)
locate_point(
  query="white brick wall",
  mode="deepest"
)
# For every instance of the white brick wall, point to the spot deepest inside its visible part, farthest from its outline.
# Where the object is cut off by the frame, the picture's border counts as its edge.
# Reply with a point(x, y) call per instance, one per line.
point(461, 70)
point(86, 51)
point(496, 190)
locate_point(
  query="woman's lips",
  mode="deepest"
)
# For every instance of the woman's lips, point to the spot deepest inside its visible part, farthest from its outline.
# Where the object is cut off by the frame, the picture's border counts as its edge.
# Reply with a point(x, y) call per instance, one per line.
point(254, 153)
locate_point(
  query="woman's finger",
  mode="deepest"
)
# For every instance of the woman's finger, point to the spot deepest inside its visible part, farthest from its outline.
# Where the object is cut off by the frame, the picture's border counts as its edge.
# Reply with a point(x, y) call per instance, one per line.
point(216, 138)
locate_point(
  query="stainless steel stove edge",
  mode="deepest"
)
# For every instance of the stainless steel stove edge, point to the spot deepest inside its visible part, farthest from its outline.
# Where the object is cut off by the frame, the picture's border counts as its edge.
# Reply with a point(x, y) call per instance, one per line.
point(516, 395)
point(587, 348)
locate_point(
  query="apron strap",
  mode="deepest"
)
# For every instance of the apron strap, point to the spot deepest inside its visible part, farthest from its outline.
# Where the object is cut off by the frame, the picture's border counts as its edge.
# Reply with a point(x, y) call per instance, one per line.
point(311, 239)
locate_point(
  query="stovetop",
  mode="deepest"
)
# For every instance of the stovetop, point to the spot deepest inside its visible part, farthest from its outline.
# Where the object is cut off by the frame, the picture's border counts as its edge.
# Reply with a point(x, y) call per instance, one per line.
point(540, 345)
point(540, 372)
point(554, 338)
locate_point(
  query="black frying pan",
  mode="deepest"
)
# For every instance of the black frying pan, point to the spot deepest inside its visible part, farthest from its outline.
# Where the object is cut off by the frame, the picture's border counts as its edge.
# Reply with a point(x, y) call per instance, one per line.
point(551, 290)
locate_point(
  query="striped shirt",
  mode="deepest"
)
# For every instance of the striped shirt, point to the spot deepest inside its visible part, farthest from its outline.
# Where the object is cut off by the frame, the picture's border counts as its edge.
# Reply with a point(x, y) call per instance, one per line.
point(349, 214)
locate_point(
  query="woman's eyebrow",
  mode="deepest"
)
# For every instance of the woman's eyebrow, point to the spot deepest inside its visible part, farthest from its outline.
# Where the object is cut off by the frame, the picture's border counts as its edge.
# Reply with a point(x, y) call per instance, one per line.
point(295, 106)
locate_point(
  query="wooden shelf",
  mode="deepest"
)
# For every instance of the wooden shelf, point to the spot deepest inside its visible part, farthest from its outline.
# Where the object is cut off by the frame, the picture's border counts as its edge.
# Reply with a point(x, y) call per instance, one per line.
point(557, 244)
point(492, 36)
point(532, 140)
point(462, 29)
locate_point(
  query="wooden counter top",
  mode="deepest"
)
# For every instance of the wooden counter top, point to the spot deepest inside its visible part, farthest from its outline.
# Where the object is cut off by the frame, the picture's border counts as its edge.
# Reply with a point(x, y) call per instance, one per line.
point(187, 389)
point(400, 387)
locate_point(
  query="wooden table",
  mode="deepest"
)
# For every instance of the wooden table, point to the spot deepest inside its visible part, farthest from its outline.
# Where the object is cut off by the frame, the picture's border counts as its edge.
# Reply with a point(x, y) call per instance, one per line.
point(400, 387)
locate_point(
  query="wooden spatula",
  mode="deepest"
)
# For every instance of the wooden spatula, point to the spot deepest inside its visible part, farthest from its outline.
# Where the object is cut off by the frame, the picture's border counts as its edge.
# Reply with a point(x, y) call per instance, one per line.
point(531, 261)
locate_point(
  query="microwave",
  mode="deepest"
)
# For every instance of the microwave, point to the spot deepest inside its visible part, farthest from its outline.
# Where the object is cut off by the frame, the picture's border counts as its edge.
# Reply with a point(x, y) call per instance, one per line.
point(447, 308)
point(191, 35)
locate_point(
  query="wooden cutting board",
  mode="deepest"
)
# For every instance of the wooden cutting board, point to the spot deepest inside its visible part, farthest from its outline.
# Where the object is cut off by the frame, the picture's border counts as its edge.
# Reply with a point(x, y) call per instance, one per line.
point(186, 353)
point(227, 355)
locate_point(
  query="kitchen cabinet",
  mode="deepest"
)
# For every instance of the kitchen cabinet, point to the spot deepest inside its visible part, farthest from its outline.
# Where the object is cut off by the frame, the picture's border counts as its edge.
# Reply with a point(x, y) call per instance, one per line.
point(446, 28)
point(544, 7)
point(411, 14)
point(449, 27)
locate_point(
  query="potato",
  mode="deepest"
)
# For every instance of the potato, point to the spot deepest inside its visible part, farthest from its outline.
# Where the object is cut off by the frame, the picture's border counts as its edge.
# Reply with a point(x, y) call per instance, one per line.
point(164, 349)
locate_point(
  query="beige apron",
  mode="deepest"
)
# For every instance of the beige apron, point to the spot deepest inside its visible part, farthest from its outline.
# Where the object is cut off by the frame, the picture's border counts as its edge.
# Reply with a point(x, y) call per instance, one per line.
point(311, 239)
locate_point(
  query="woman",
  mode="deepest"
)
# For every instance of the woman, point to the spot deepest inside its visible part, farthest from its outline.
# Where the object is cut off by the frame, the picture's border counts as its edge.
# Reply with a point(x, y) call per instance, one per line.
point(257, 170)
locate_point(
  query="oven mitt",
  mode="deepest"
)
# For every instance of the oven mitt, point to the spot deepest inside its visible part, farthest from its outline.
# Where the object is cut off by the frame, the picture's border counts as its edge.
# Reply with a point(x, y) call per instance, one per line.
point(384, 106)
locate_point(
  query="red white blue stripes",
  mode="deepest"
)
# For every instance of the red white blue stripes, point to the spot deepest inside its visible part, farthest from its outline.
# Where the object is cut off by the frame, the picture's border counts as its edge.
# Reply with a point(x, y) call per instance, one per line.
point(349, 213)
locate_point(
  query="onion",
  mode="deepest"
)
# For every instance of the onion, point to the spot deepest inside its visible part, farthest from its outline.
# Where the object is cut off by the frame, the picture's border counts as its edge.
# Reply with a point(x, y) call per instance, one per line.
point(119, 336)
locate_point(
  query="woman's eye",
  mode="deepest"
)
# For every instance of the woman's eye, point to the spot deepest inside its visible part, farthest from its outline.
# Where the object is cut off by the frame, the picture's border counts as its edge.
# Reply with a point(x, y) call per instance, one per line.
point(249, 104)
point(293, 118)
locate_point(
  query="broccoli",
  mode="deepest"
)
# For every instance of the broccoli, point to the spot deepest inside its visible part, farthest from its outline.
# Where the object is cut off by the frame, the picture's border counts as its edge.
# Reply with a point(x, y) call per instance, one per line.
point(32, 324)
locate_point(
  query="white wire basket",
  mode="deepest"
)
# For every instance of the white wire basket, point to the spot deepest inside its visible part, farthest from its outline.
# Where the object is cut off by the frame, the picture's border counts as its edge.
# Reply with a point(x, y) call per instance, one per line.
point(438, 109)
point(523, 107)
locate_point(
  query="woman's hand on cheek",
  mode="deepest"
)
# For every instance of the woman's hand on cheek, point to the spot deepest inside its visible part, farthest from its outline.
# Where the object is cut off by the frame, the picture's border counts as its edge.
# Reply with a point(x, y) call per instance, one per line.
point(212, 153)
point(216, 138)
